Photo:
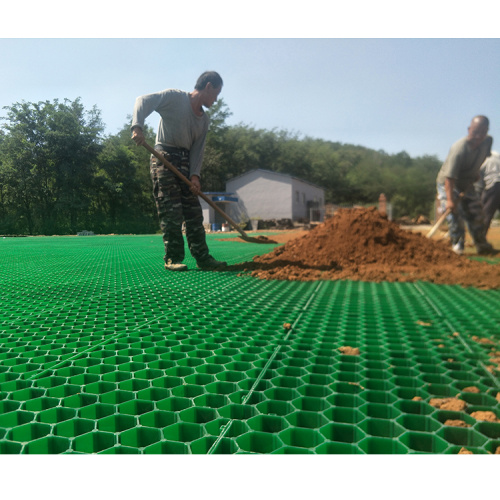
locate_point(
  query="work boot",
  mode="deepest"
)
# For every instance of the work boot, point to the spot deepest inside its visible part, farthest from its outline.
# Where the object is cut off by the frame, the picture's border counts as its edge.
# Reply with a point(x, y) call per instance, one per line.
point(175, 266)
point(210, 264)
point(458, 249)
point(486, 249)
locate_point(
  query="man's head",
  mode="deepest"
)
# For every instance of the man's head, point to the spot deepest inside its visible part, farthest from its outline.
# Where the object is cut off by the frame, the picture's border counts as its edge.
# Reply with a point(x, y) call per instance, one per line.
point(209, 85)
point(477, 131)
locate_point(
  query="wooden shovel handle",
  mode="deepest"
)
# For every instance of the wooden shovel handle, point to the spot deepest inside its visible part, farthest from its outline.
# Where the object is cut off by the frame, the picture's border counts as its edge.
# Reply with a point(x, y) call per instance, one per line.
point(171, 167)
point(440, 221)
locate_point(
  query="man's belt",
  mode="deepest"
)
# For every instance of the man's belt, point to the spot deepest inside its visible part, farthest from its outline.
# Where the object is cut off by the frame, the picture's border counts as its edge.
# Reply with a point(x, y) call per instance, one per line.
point(171, 150)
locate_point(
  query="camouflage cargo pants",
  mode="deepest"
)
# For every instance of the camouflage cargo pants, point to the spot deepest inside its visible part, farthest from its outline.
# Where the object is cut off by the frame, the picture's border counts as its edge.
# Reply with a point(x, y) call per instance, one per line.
point(176, 204)
point(468, 210)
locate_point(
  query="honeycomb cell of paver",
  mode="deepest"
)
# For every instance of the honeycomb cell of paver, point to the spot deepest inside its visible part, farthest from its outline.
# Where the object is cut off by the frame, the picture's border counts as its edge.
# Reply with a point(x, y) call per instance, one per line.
point(48, 445)
point(224, 446)
point(440, 390)
point(345, 400)
point(478, 399)
point(140, 437)
point(183, 432)
point(381, 428)
point(379, 411)
point(307, 419)
point(167, 382)
point(315, 391)
point(221, 388)
point(488, 429)
point(10, 448)
point(16, 418)
point(302, 438)
point(274, 407)
point(259, 442)
point(100, 388)
point(308, 403)
point(379, 384)
point(74, 427)
point(100, 369)
point(217, 426)
point(443, 415)
point(343, 415)
point(379, 445)
point(167, 447)
point(79, 400)
point(94, 442)
point(154, 394)
point(251, 384)
point(84, 379)
point(116, 397)
point(198, 415)
point(346, 388)
point(492, 446)
point(209, 368)
point(96, 411)
point(238, 411)
point(119, 449)
point(381, 397)
point(131, 367)
point(179, 371)
point(338, 449)
point(28, 432)
point(200, 379)
point(461, 385)
point(135, 407)
point(116, 423)
point(267, 423)
point(37, 404)
point(116, 376)
point(174, 403)
point(230, 376)
point(414, 407)
point(188, 391)
point(461, 436)
point(56, 415)
point(212, 400)
point(161, 364)
point(28, 393)
point(419, 423)
point(49, 382)
point(340, 432)
point(423, 442)
point(282, 394)
point(158, 418)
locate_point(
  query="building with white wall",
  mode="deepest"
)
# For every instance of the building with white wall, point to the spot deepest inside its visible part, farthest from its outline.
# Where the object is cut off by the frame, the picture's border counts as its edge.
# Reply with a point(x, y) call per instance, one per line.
point(263, 194)
point(266, 195)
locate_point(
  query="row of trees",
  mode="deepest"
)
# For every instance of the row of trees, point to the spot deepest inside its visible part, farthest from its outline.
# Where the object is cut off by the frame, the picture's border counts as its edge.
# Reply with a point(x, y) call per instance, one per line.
point(59, 172)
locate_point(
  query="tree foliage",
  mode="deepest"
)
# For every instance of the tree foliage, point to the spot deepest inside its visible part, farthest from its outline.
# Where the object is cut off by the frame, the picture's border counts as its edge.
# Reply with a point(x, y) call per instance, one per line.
point(60, 174)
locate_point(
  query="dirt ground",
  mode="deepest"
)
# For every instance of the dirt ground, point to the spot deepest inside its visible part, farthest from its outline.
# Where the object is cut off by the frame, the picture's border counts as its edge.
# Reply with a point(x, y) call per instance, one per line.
point(361, 244)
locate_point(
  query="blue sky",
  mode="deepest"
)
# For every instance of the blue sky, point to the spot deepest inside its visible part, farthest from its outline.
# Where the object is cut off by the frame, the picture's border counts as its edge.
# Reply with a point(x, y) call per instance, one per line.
point(397, 94)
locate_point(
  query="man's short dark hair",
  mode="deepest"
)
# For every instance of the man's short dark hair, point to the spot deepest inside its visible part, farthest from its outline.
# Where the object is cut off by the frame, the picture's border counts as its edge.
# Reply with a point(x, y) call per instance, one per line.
point(483, 120)
point(209, 77)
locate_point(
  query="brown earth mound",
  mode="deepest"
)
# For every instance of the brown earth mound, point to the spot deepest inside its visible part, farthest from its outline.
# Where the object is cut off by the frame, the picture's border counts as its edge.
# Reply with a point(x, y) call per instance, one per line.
point(361, 244)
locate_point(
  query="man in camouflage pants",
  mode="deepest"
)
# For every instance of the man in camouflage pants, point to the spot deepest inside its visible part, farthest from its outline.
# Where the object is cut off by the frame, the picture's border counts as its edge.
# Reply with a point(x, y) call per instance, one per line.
point(455, 187)
point(181, 138)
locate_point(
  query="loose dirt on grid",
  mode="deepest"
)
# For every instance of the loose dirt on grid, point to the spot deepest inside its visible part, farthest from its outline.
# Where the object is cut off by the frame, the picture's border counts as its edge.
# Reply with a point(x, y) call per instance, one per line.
point(361, 244)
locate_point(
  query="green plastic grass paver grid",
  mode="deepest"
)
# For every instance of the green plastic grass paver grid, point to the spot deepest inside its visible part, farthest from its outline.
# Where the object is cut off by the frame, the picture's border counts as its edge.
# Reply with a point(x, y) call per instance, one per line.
point(102, 355)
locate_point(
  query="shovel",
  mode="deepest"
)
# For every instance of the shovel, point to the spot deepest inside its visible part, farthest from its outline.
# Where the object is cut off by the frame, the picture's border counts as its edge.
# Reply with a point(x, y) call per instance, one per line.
point(243, 235)
point(438, 223)
point(441, 219)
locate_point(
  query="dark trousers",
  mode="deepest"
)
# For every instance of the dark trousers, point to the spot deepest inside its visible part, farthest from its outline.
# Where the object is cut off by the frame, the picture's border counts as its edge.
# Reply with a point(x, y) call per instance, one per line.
point(176, 204)
point(491, 202)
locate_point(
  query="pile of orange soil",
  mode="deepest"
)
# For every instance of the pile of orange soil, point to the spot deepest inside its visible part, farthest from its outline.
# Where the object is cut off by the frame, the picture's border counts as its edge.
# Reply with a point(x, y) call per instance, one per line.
point(361, 244)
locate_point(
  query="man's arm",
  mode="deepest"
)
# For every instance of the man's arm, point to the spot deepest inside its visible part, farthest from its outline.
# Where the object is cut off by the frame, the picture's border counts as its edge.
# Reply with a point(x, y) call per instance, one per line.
point(449, 186)
point(138, 135)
